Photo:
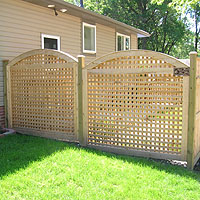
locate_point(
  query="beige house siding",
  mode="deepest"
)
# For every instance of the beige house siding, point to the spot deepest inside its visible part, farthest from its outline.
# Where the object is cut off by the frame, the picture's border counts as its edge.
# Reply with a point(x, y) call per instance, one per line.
point(22, 23)
point(105, 40)
point(134, 41)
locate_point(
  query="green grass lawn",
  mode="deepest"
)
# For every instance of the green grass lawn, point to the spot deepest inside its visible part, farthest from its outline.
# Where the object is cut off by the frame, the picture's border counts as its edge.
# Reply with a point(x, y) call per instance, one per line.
point(36, 168)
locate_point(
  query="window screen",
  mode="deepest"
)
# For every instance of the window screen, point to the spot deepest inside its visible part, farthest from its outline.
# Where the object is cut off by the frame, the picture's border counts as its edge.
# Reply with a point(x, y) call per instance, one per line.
point(89, 38)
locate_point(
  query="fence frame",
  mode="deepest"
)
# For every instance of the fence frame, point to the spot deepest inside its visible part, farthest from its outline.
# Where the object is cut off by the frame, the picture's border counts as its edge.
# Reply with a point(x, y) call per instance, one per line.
point(192, 114)
point(5, 64)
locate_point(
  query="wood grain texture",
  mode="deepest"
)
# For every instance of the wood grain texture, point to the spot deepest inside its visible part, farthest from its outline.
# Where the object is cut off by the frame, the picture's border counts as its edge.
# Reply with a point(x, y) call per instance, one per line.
point(5, 63)
point(81, 65)
point(136, 59)
point(197, 119)
point(136, 104)
point(192, 111)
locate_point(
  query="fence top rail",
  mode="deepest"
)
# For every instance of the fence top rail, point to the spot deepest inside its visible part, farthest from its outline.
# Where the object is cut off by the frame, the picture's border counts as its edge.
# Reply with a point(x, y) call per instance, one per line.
point(60, 54)
point(143, 53)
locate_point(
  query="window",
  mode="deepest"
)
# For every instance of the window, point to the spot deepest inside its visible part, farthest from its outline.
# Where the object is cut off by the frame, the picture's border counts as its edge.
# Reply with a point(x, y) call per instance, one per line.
point(50, 42)
point(89, 38)
point(122, 42)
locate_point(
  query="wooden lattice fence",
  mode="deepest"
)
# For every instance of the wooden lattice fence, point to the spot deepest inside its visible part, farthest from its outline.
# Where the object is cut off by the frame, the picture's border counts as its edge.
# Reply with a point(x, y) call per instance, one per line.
point(42, 92)
point(135, 102)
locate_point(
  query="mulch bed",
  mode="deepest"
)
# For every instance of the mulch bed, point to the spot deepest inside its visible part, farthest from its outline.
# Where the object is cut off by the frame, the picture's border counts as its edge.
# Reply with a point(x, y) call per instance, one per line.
point(178, 163)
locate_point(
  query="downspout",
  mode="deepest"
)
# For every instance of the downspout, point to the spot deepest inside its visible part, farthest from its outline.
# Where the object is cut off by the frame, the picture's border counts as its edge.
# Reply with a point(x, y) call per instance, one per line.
point(81, 3)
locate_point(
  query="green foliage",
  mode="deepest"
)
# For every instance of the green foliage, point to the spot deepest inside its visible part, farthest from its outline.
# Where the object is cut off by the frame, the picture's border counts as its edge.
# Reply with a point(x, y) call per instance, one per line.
point(186, 45)
point(178, 3)
point(193, 8)
point(195, 14)
point(36, 168)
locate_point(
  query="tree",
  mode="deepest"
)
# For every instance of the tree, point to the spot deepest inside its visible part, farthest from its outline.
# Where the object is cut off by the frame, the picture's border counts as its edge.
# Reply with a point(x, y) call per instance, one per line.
point(188, 6)
point(195, 13)
point(185, 46)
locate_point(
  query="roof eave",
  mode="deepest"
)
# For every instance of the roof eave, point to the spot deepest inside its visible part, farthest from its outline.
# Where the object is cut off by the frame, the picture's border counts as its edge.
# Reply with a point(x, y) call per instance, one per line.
point(81, 12)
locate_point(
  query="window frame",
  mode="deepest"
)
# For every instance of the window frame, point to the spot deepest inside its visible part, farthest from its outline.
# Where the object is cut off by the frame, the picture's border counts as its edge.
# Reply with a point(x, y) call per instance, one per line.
point(83, 39)
point(125, 36)
point(51, 37)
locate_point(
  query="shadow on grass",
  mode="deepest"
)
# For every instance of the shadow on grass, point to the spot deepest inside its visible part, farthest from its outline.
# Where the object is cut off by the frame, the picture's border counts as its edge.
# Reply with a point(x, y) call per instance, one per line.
point(18, 151)
point(159, 165)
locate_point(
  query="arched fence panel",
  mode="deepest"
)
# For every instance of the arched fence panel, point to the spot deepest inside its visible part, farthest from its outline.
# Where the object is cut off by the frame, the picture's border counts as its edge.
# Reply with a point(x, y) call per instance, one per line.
point(136, 103)
point(41, 89)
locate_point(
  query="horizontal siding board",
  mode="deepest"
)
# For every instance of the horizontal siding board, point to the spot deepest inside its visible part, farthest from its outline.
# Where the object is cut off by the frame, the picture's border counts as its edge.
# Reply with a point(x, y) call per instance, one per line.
point(4, 33)
point(12, 33)
point(33, 10)
point(134, 42)
point(18, 40)
point(105, 40)
point(15, 39)
point(39, 27)
point(33, 23)
point(15, 43)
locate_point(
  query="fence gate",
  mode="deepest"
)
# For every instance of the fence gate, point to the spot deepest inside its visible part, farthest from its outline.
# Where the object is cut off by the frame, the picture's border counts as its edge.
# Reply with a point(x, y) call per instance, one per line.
point(136, 103)
point(41, 89)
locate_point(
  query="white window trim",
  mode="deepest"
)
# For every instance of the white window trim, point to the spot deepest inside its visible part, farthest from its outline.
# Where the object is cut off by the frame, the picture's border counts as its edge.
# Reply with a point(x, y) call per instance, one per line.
point(51, 37)
point(125, 36)
point(92, 26)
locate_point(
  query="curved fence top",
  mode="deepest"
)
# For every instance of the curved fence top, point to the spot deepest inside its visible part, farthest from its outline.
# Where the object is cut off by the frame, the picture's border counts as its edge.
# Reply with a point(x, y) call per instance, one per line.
point(141, 55)
point(38, 53)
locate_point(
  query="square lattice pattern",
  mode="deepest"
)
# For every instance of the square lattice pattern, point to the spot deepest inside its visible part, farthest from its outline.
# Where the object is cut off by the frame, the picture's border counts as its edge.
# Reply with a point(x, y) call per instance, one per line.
point(140, 111)
point(42, 89)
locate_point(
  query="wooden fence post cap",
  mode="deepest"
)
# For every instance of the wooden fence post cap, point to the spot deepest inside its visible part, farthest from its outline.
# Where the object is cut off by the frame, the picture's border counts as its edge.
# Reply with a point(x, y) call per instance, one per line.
point(193, 53)
point(81, 56)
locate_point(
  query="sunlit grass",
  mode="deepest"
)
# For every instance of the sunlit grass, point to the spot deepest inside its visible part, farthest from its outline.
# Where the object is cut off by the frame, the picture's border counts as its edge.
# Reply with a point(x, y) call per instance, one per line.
point(36, 168)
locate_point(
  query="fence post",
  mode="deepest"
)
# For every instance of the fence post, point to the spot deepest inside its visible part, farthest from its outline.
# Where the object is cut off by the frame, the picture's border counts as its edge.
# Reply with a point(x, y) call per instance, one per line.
point(81, 65)
point(191, 110)
point(5, 63)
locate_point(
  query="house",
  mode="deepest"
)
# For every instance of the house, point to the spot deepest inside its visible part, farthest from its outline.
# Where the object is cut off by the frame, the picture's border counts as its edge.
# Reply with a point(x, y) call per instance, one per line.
point(55, 24)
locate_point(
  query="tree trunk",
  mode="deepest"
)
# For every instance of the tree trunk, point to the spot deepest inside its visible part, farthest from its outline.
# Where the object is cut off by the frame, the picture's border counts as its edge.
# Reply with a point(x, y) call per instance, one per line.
point(144, 43)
